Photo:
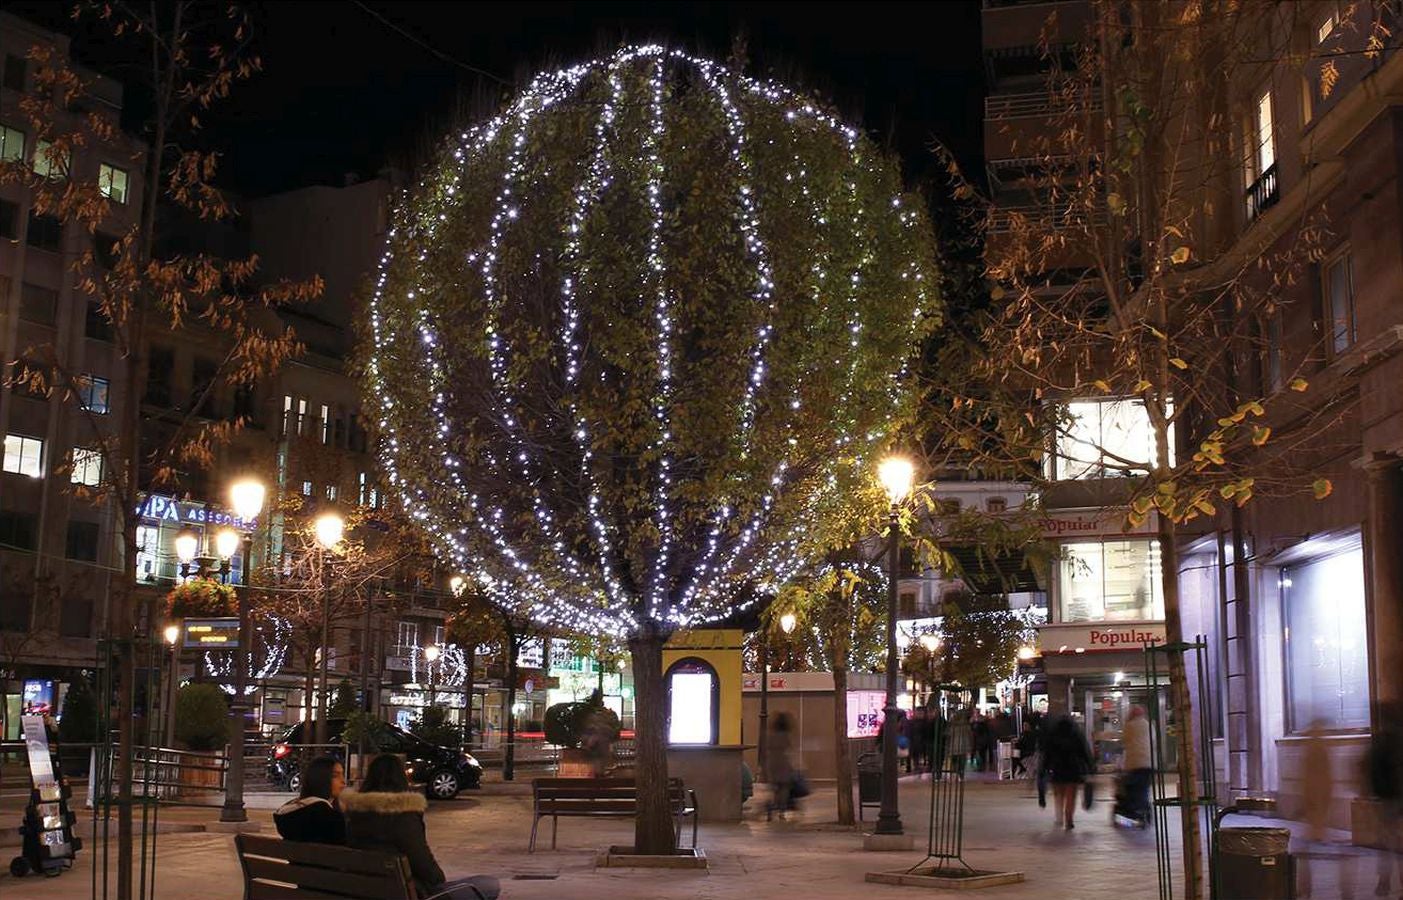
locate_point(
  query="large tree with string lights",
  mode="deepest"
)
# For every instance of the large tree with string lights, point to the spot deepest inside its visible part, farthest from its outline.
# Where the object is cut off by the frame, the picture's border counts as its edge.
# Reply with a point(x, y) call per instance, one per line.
point(627, 338)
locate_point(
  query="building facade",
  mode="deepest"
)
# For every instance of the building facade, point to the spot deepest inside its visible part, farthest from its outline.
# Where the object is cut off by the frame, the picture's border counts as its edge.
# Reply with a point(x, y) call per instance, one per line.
point(1299, 600)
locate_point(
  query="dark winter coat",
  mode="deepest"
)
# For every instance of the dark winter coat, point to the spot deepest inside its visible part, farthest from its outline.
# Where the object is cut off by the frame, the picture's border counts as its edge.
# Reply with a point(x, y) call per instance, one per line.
point(393, 823)
point(311, 820)
point(1066, 755)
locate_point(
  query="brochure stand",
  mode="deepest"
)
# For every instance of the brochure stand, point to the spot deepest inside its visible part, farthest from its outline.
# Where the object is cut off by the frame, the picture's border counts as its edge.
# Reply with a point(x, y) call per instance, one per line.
point(48, 843)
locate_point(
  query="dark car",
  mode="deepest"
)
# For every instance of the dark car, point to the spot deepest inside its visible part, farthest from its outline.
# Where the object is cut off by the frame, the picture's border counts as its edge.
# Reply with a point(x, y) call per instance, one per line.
point(443, 771)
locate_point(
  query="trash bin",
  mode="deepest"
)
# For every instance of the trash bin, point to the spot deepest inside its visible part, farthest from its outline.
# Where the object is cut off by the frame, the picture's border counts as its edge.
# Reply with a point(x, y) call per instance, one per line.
point(1252, 864)
point(869, 781)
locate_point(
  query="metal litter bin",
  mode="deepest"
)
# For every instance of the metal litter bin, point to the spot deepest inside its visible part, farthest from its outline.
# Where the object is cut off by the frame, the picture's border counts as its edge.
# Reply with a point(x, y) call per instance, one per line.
point(869, 781)
point(1253, 864)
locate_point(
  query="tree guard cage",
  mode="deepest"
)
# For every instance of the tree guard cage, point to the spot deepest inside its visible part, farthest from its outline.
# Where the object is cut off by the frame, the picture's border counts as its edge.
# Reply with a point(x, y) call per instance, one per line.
point(1157, 660)
point(946, 833)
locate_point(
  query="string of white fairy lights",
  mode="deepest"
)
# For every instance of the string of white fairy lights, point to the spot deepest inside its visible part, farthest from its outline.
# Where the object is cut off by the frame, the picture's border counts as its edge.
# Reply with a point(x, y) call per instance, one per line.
point(602, 607)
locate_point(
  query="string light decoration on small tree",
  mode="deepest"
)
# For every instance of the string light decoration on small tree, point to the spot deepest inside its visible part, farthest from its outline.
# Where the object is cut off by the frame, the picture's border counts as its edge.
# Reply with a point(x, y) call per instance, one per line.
point(629, 332)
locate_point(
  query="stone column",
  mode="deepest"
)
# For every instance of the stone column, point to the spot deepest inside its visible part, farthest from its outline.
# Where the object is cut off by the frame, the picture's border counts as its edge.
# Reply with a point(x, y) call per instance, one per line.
point(1385, 543)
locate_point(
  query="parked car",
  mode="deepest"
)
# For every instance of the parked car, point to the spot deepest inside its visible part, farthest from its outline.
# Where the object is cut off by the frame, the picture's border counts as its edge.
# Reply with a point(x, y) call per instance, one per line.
point(444, 771)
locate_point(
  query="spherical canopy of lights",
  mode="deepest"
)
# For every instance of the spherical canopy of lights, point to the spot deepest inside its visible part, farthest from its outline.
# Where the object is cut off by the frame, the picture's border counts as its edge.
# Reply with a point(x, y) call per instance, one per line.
point(628, 333)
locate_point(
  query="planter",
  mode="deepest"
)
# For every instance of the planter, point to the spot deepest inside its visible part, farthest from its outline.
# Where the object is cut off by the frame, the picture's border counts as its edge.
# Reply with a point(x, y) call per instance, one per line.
point(200, 773)
point(946, 878)
point(623, 857)
point(574, 763)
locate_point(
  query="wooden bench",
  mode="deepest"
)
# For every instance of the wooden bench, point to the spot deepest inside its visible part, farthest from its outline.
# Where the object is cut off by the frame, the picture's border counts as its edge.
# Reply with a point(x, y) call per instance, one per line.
point(615, 798)
point(275, 869)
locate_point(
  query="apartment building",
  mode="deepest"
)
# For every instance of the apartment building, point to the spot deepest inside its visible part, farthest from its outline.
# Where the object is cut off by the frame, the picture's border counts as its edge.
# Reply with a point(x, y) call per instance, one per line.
point(1300, 600)
point(56, 550)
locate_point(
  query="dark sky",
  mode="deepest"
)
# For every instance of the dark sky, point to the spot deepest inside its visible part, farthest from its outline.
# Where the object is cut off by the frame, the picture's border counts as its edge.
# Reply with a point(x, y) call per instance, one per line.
point(342, 91)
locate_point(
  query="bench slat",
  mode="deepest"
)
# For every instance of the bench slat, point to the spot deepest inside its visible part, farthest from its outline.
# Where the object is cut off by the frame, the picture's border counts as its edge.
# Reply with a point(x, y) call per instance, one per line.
point(345, 884)
point(325, 856)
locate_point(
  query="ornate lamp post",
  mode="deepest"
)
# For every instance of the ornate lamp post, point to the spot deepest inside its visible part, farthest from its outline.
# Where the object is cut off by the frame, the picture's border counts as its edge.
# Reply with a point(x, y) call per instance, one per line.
point(786, 624)
point(329, 528)
point(897, 475)
point(931, 642)
point(246, 497)
point(172, 635)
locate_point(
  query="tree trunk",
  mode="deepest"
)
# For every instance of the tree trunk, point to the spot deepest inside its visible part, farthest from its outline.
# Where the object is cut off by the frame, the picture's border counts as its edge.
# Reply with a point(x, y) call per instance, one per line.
point(509, 752)
point(653, 828)
point(1182, 704)
point(842, 751)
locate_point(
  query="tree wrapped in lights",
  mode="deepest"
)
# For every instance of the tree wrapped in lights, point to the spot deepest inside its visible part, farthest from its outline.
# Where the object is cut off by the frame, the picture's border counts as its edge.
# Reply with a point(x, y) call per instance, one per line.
point(627, 337)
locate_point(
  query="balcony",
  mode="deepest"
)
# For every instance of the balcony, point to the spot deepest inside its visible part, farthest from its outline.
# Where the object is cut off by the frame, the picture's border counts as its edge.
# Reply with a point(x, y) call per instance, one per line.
point(1002, 219)
point(1029, 104)
point(1263, 194)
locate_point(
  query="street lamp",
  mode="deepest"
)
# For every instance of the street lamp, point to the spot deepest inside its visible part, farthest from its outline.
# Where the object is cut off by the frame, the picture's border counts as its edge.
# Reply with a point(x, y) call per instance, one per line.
point(246, 497)
point(172, 635)
point(931, 643)
point(897, 476)
point(329, 528)
point(187, 546)
point(431, 654)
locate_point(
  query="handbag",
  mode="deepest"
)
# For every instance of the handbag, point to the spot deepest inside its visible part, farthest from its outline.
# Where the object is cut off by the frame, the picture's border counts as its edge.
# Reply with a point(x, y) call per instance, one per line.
point(1088, 794)
point(799, 786)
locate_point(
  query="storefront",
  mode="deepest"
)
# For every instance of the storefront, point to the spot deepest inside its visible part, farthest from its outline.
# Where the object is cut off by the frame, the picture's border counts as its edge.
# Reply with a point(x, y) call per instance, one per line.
point(1105, 605)
point(162, 518)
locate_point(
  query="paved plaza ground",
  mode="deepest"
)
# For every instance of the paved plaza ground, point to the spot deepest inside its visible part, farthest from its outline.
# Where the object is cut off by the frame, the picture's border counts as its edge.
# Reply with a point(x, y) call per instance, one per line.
point(486, 832)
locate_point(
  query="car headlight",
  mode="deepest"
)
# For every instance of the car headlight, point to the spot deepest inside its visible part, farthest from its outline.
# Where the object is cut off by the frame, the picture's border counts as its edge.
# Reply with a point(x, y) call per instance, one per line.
point(469, 759)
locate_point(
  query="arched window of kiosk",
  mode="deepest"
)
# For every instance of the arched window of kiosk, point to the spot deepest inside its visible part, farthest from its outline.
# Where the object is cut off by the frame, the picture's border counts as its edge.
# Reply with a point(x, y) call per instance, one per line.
point(693, 702)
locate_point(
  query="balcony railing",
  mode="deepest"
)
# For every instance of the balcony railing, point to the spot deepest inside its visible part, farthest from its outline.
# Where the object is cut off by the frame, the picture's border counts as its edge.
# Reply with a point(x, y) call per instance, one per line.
point(1263, 194)
point(1032, 103)
point(1001, 219)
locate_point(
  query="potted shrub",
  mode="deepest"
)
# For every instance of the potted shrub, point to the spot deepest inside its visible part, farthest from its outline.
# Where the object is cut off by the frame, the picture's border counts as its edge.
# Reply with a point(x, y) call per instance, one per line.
point(572, 726)
point(201, 598)
point(363, 727)
point(202, 726)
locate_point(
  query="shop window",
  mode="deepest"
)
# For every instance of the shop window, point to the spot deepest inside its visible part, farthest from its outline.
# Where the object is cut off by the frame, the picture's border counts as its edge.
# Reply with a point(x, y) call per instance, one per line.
point(1114, 580)
point(693, 702)
point(1327, 648)
point(1105, 439)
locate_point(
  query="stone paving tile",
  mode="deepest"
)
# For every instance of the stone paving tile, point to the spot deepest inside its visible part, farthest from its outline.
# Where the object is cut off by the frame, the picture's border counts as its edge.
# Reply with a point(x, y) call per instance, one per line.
point(488, 831)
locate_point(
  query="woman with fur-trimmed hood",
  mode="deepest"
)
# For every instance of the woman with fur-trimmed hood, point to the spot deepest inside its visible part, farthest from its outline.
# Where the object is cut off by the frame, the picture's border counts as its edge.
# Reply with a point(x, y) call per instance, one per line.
point(385, 815)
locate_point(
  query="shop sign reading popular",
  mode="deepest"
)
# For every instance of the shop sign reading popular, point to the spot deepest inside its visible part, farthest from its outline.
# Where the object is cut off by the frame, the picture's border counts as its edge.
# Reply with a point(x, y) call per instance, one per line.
point(1098, 637)
point(1094, 523)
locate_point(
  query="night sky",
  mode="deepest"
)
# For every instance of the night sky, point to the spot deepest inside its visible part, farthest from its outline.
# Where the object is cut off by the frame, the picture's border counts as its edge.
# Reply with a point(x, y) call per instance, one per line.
point(344, 92)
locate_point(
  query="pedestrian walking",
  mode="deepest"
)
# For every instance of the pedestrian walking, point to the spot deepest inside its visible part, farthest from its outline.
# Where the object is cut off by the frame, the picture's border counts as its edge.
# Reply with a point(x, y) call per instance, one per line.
point(979, 731)
point(1024, 749)
point(780, 767)
point(1066, 760)
point(1318, 783)
point(1136, 768)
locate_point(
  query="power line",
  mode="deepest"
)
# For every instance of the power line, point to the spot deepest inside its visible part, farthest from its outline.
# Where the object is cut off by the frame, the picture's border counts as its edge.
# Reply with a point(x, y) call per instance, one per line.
point(434, 50)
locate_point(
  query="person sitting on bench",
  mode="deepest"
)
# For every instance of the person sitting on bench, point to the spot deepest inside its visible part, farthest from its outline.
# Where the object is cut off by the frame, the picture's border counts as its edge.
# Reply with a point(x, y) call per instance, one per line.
point(385, 815)
point(314, 816)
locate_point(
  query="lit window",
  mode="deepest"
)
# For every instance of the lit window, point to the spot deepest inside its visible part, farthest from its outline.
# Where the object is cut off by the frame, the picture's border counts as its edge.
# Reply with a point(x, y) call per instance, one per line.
point(1110, 581)
point(24, 455)
point(1327, 643)
point(407, 634)
point(50, 163)
point(11, 144)
point(1265, 135)
point(87, 467)
point(331, 492)
point(148, 543)
point(287, 410)
point(1339, 302)
point(374, 499)
point(93, 393)
point(301, 414)
point(112, 182)
point(1106, 439)
point(362, 495)
point(306, 488)
point(326, 424)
